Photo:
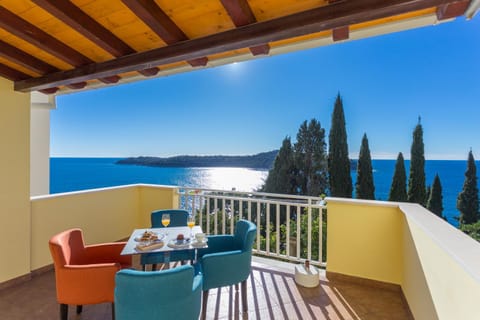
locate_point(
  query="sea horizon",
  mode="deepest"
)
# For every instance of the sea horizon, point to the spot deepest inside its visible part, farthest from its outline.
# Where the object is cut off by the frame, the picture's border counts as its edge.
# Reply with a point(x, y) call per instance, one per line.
point(69, 174)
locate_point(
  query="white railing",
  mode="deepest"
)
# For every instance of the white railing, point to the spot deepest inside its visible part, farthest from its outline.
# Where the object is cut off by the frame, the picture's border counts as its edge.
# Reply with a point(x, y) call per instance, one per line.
point(279, 234)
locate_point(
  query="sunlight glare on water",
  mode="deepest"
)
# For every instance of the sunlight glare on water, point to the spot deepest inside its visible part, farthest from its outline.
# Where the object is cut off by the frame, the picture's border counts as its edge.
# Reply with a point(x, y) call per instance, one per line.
point(228, 178)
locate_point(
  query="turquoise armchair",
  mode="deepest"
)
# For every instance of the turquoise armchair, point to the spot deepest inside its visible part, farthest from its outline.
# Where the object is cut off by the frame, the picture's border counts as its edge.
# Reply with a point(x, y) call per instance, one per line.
point(178, 218)
point(166, 294)
point(227, 261)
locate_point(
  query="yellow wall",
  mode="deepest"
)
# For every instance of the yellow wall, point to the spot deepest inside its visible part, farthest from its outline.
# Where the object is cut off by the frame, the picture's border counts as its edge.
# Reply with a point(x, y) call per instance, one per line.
point(155, 198)
point(364, 240)
point(14, 182)
point(104, 215)
point(441, 276)
point(436, 265)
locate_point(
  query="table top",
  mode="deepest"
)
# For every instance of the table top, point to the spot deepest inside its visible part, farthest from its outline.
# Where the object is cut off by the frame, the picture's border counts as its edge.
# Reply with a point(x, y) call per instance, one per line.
point(171, 235)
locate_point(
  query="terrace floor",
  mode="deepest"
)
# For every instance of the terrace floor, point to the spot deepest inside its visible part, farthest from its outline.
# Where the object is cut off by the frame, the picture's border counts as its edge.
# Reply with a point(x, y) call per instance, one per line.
point(272, 294)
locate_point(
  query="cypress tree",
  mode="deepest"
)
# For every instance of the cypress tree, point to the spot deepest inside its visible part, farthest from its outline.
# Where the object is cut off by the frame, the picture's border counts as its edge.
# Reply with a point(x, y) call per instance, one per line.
point(398, 190)
point(310, 159)
point(467, 201)
point(435, 199)
point(338, 162)
point(364, 187)
point(416, 181)
point(281, 178)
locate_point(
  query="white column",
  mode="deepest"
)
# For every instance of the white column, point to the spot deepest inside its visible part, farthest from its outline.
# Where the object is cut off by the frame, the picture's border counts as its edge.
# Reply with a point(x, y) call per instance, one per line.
point(41, 105)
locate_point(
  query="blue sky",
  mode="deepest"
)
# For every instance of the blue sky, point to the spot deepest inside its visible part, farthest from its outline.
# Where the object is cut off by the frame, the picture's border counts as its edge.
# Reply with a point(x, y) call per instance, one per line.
point(386, 83)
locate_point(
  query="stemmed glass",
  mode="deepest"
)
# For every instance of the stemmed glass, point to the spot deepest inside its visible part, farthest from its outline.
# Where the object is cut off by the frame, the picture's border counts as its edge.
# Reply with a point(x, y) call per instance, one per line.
point(166, 221)
point(190, 224)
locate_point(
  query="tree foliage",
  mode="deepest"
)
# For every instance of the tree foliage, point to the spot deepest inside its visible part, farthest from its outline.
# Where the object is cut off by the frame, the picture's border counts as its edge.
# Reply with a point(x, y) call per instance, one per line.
point(338, 162)
point(398, 190)
point(364, 187)
point(416, 181)
point(435, 198)
point(473, 230)
point(301, 169)
point(467, 201)
point(281, 178)
point(310, 159)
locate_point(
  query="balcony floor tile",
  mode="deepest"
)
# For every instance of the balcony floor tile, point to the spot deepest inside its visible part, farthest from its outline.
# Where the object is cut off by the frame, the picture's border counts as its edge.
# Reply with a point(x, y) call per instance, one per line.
point(272, 294)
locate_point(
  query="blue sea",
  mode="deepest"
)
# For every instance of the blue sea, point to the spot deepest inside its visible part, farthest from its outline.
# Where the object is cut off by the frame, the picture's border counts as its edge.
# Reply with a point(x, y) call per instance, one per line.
point(73, 174)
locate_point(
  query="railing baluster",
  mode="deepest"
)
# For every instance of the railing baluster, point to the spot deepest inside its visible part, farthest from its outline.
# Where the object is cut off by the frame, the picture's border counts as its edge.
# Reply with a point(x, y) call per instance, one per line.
point(215, 218)
point(238, 205)
point(277, 227)
point(232, 215)
point(207, 212)
point(267, 226)
point(309, 232)
point(223, 216)
point(320, 234)
point(258, 226)
point(287, 237)
point(299, 222)
point(240, 209)
point(200, 209)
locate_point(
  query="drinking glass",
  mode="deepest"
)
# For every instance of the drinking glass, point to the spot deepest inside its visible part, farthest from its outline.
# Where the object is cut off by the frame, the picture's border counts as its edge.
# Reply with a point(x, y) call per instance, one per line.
point(166, 221)
point(190, 224)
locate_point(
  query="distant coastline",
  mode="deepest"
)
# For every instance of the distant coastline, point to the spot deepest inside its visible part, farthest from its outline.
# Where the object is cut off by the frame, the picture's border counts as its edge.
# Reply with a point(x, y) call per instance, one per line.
point(262, 160)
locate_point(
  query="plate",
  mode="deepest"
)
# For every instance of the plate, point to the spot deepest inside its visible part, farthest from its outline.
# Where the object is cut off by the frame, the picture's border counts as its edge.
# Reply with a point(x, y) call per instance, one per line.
point(199, 244)
point(174, 243)
point(160, 237)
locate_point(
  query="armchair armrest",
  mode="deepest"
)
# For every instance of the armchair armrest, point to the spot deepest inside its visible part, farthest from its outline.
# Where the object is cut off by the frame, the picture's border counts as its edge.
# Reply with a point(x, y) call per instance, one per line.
point(86, 284)
point(107, 253)
point(197, 283)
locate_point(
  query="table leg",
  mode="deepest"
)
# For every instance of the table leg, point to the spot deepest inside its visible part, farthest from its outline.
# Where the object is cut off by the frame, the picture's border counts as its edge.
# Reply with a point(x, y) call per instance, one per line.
point(167, 259)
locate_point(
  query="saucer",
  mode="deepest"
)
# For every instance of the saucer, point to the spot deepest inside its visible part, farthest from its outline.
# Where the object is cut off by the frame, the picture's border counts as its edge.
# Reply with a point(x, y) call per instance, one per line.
point(199, 244)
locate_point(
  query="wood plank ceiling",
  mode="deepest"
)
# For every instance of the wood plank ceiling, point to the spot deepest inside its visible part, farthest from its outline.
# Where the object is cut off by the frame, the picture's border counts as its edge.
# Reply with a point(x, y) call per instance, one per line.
point(51, 45)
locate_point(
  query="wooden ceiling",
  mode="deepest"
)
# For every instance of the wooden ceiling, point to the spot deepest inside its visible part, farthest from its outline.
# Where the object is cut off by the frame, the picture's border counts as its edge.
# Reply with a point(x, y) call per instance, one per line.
point(52, 45)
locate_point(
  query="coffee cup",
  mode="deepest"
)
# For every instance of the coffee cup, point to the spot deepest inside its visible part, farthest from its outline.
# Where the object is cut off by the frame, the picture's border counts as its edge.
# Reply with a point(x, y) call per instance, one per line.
point(200, 237)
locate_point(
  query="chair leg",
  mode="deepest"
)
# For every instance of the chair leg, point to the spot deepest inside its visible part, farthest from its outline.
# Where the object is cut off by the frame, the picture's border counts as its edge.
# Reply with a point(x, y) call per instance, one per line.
point(204, 305)
point(113, 311)
point(244, 296)
point(79, 309)
point(154, 267)
point(63, 311)
point(144, 267)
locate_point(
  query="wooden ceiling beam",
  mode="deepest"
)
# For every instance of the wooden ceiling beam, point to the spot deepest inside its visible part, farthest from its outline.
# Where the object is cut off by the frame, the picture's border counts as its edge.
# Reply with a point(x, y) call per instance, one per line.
point(49, 91)
point(28, 32)
point(242, 15)
point(15, 75)
point(315, 20)
point(24, 59)
point(12, 74)
point(30, 62)
point(81, 22)
point(340, 33)
point(452, 10)
point(160, 23)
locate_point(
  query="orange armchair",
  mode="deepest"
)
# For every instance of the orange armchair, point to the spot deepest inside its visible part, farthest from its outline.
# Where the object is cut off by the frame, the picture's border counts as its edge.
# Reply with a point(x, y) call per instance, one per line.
point(84, 274)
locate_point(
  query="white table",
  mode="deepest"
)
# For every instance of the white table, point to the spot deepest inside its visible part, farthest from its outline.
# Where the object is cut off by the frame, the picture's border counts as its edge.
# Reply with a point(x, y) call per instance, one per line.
point(171, 234)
